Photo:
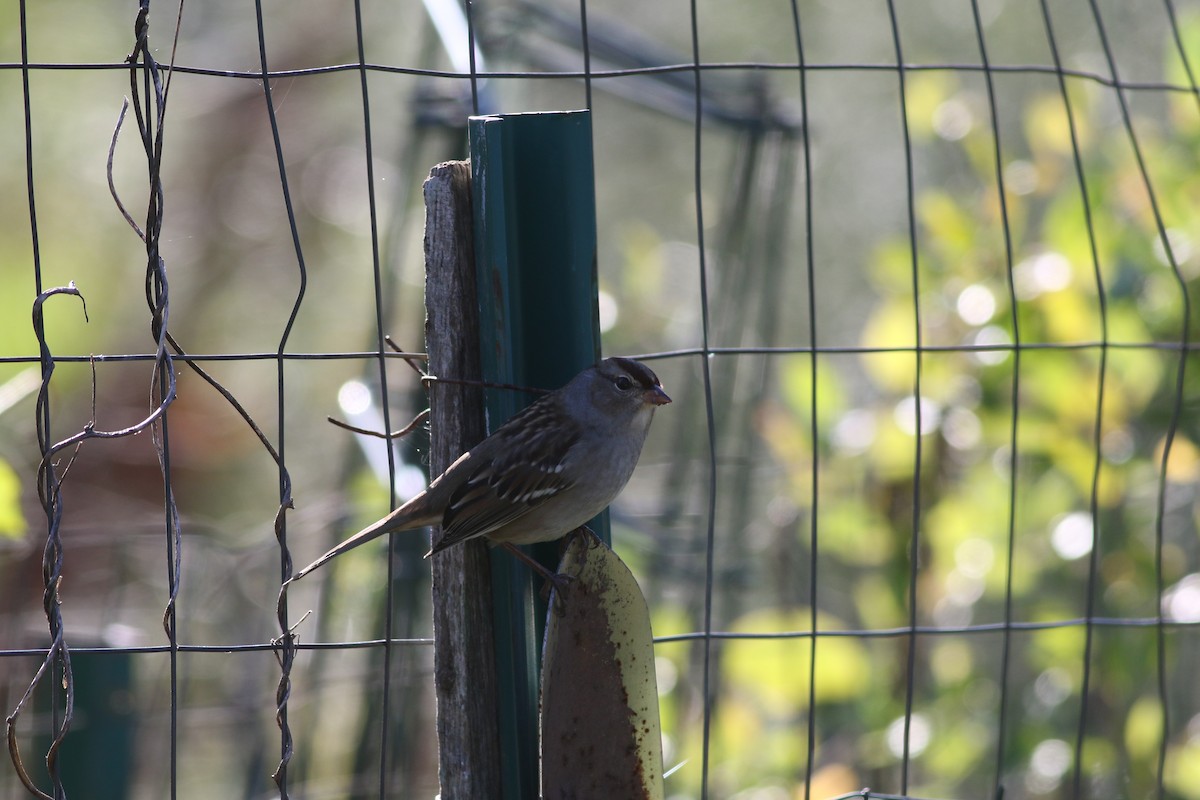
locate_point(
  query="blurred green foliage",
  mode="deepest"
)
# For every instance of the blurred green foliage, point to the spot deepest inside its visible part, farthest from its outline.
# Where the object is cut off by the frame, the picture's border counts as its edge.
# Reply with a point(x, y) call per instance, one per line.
point(12, 520)
point(980, 502)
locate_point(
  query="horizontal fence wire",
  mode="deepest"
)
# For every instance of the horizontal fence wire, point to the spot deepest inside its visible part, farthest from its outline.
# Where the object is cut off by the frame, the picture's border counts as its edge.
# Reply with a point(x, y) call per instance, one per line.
point(149, 84)
point(868, 633)
point(627, 72)
point(659, 355)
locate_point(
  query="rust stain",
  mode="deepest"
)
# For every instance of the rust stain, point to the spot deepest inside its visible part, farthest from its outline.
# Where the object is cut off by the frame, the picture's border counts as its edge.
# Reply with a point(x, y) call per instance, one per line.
point(590, 736)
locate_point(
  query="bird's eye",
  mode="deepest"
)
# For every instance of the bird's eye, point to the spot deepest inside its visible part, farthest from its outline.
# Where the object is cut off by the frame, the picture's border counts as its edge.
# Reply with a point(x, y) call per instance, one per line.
point(624, 383)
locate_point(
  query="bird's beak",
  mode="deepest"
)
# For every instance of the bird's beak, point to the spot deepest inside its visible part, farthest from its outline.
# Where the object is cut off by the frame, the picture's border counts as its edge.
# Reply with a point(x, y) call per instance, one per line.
point(655, 396)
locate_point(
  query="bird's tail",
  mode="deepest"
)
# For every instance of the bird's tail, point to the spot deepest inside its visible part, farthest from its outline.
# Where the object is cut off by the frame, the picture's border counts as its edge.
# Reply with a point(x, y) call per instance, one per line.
point(404, 518)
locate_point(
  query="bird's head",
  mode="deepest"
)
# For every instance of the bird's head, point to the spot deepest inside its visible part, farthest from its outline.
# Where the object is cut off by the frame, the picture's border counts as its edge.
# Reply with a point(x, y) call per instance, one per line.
point(623, 388)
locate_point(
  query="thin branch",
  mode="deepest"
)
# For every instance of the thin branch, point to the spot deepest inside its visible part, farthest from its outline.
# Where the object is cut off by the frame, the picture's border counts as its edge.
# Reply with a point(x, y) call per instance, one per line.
point(417, 421)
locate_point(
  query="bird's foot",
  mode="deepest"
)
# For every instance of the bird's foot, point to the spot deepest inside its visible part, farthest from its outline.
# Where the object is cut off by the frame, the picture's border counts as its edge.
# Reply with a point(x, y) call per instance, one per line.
point(560, 584)
point(559, 581)
point(590, 537)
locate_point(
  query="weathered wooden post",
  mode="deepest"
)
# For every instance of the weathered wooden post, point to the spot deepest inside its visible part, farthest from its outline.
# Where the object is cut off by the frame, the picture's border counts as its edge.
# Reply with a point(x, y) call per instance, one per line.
point(464, 654)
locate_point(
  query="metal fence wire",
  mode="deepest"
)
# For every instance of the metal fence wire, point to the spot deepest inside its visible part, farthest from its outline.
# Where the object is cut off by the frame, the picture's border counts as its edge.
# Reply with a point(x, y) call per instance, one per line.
point(922, 521)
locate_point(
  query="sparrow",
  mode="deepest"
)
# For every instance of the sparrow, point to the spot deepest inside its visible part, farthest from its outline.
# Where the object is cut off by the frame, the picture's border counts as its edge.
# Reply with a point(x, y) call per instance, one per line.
point(542, 474)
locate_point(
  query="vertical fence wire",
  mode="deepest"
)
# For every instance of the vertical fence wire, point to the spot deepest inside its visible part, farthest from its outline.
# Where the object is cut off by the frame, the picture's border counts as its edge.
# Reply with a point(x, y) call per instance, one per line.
point(149, 98)
point(814, 427)
point(1098, 424)
point(1180, 49)
point(914, 551)
point(149, 93)
point(1185, 301)
point(710, 420)
point(286, 643)
point(42, 414)
point(586, 47)
point(1014, 398)
point(57, 662)
point(26, 107)
point(380, 330)
point(472, 60)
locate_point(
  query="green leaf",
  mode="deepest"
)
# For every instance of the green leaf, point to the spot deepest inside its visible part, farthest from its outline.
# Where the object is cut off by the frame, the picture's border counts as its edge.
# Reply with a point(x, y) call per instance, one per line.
point(12, 521)
point(1143, 728)
point(775, 672)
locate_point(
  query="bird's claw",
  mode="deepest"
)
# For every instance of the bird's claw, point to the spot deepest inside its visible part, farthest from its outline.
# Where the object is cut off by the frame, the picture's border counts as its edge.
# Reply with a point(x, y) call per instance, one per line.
point(591, 538)
point(560, 583)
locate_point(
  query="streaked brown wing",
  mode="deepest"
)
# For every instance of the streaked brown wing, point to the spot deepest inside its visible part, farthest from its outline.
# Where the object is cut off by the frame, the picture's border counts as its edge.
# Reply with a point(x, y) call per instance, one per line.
point(513, 481)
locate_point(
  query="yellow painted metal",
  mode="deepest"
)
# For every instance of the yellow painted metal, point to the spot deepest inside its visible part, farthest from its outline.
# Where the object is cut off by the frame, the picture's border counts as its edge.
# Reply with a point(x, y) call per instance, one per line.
point(601, 735)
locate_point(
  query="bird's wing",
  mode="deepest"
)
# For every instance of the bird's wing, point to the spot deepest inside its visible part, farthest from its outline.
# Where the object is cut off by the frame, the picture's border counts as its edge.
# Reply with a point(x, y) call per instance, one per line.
point(525, 470)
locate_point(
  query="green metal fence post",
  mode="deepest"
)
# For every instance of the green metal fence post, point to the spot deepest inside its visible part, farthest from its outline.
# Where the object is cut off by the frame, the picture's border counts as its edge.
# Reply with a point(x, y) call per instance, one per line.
point(535, 255)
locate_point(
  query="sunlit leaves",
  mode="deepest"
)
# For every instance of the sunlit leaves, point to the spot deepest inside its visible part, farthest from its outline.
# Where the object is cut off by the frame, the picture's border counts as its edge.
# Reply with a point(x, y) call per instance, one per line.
point(1182, 774)
point(1036, 428)
point(12, 521)
point(1048, 127)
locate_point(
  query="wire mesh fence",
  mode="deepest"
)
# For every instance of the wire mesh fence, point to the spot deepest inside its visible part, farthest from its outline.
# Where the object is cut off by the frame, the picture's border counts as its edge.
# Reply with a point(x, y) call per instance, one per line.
point(918, 275)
